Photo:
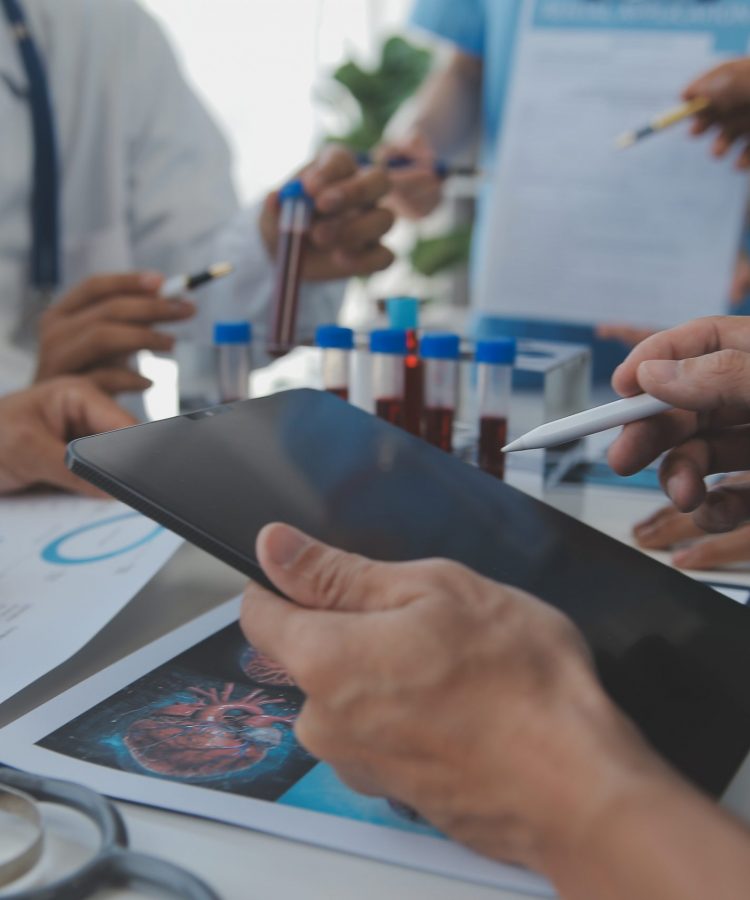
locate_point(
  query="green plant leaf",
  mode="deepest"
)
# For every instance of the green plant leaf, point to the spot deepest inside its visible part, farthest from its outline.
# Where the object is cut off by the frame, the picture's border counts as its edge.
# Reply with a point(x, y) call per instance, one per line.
point(429, 256)
point(402, 69)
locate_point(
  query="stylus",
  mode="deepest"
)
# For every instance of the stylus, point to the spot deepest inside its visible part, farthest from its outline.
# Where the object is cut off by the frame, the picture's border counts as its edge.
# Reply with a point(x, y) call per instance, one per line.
point(591, 421)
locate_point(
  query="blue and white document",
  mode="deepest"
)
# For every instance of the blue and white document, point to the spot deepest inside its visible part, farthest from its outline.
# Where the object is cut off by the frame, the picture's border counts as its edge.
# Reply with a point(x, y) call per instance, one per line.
point(67, 566)
point(580, 231)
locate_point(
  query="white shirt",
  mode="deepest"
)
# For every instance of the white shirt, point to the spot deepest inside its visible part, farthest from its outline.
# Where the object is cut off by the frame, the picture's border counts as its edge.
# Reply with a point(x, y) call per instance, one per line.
point(145, 173)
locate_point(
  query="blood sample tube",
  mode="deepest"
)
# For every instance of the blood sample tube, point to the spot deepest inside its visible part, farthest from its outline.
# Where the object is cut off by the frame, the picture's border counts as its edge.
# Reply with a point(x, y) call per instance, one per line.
point(495, 360)
point(336, 344)
point(232, 341)
point(388, 349)
point(294, 224)
point(403, 312)
point(441, 354)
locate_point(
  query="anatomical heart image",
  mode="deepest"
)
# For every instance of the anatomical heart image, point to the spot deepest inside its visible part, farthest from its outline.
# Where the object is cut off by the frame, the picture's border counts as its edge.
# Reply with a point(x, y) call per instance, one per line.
point(219, 715)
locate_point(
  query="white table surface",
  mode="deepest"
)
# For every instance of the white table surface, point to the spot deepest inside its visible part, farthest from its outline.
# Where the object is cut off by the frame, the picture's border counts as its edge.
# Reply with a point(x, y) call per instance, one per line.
point(239, 864)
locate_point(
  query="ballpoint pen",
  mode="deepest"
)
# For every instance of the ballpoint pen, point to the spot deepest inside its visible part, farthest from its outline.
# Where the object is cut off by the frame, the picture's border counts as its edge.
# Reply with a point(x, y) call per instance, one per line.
point(178, 284)
point(440, 167)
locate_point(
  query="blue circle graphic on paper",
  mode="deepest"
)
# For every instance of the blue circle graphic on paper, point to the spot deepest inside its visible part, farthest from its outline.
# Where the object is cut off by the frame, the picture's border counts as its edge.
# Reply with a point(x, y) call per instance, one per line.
point(54, 553)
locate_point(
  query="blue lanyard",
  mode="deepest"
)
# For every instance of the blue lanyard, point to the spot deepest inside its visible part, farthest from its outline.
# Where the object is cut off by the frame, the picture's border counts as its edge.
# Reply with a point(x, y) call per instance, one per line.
point(45, 216)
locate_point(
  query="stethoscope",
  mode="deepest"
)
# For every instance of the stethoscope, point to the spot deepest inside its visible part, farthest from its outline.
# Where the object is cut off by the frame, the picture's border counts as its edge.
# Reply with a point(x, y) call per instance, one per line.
point(112, 864)
point(45, 204)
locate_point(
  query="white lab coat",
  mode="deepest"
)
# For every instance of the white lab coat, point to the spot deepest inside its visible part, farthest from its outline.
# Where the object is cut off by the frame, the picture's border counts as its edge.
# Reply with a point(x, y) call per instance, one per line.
point(145, 173)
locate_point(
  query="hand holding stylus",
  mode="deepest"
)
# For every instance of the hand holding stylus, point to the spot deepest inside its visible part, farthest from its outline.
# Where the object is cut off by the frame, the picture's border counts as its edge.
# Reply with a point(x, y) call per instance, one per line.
point(703, 369)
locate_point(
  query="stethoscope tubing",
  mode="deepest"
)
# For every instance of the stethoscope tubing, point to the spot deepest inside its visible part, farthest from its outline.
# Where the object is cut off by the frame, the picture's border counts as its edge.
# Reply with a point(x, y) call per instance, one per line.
point(113, 863)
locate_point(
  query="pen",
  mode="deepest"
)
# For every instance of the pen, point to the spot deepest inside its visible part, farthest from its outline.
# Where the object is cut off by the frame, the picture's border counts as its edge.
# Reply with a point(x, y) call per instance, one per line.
point(671, 117)
point(591, 421)
point(440, 167)
point(178, 284)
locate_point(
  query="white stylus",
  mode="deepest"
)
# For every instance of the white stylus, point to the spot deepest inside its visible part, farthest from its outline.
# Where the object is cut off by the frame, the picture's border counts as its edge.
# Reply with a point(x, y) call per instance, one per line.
point(591, 421)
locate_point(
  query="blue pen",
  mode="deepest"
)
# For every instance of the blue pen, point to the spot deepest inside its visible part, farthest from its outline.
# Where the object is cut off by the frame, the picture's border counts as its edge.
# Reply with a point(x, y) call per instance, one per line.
point(440, 167)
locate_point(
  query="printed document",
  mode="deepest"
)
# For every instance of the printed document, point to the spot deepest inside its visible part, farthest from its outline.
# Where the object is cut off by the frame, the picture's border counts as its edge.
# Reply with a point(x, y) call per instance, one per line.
point(201, 722)
point(67, 566)
point(580, 231)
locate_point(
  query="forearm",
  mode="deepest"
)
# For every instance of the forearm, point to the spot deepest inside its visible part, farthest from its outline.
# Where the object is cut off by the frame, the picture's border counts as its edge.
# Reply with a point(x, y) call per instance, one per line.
point(665, 840)
point(449, 104)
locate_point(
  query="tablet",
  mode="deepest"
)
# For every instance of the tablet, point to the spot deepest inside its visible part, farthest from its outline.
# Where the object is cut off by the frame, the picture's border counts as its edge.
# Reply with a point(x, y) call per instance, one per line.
point(672, 653)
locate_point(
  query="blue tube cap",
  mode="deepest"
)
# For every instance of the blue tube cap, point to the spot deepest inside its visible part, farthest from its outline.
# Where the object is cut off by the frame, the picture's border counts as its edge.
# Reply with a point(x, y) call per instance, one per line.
point(403, 312)
point(294, 190)
point(499, 351)
point(440, 346)
point(233, 333)
point(388, 340)
point(334, 337)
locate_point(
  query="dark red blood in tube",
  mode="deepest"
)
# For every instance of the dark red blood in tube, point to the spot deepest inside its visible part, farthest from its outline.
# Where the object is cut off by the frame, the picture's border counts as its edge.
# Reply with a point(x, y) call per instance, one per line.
point(289, 257)
point(391, 409)
point(493, 432)
point(413, 384)
point(438, 427)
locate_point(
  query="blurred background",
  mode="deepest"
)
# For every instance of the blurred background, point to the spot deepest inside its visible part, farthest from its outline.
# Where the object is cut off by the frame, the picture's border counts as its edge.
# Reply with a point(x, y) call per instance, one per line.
point(248, 67)
point(270, 82)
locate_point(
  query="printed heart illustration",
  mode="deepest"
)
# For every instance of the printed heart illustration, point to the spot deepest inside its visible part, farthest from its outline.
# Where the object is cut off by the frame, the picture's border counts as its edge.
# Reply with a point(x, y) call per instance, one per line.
point(264, 670)
point(213, 735)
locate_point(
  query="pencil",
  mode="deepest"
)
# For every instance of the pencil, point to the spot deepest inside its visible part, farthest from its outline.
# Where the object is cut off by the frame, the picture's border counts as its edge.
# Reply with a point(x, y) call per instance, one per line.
point(665, 120)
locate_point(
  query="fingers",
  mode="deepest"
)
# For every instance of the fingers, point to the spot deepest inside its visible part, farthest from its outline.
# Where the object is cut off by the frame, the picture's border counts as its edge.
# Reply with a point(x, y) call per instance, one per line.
point(741, 280)
point(140, 310)
point(727, 86)
point(311, 646)
point(414, 193)
point(366, 262)
point(640, 443)
point(90, 411)
point(665, 529)
point(270, 624)
point(119, 380)
point(668, 528)
point(352, 233)
point(92, 290)
point(103, 319)
point(724, 509)
point(714, 552)
point(626, 334)
point(105, 340)
point(316, 575)
point(336, 183)
point(716, 385)
point(684, 469)
point(716, 380)
point(45, 455)
point(696, 338)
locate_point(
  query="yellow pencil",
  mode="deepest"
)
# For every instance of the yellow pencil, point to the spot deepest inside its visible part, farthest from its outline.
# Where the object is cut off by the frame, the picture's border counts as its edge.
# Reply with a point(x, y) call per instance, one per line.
point(665, 120)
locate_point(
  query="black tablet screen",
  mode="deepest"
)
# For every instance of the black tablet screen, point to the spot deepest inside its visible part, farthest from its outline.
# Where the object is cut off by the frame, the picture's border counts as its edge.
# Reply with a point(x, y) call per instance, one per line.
point(674, 654)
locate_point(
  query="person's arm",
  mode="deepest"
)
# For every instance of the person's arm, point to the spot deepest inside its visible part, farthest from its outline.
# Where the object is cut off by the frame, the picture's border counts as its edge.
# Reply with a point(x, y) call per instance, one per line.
point(478, 706)
point(36, 424)
point(445, 121)
point(448, 107)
